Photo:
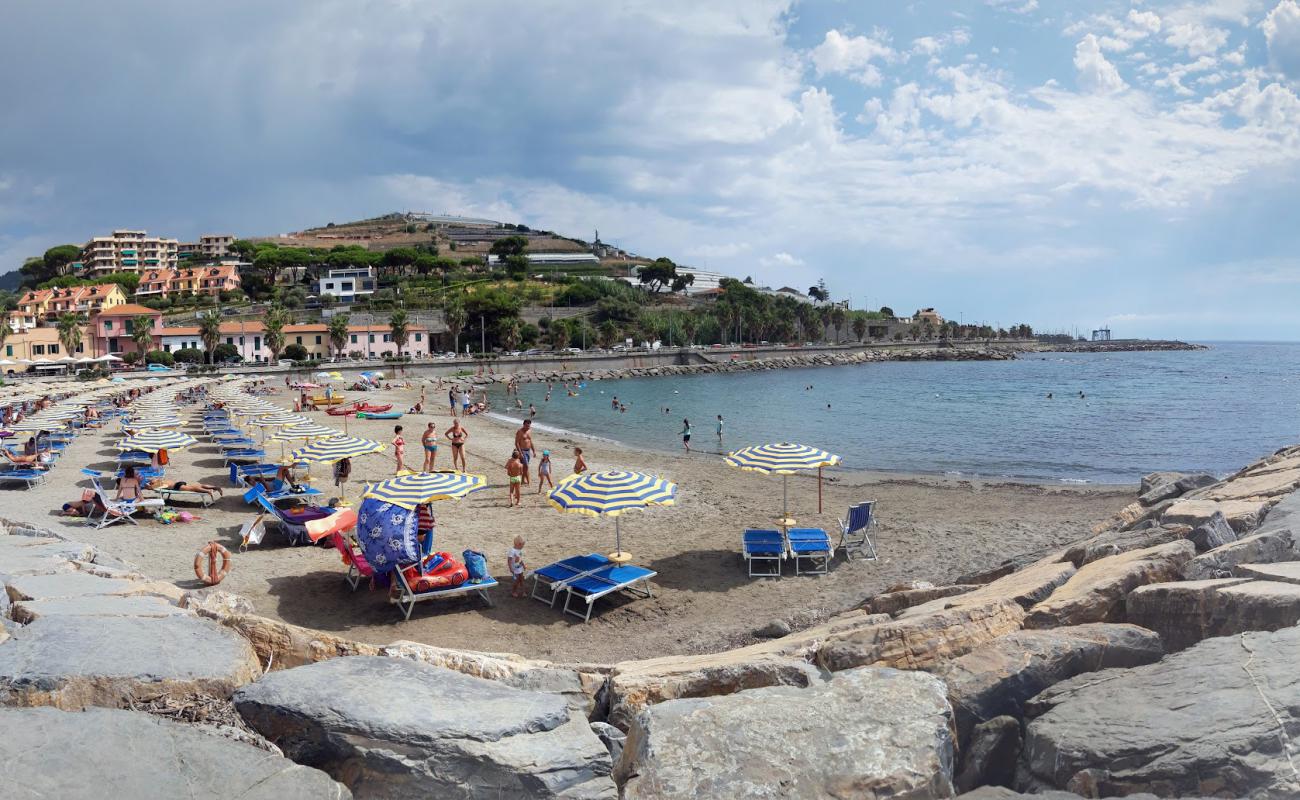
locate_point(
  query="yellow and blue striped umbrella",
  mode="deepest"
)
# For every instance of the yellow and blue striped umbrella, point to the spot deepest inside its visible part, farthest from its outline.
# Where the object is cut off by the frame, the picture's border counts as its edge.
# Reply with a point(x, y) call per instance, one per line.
point(278, 419)
point(33, 425)
point(335, 448)
point(151, 441)
point(609, 494)
point(784, 459)
point(409, 491)
point(304, 430)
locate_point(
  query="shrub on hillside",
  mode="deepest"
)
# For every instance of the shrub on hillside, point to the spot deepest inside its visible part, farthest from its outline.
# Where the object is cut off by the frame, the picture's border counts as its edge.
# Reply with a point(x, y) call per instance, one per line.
point(188, 355)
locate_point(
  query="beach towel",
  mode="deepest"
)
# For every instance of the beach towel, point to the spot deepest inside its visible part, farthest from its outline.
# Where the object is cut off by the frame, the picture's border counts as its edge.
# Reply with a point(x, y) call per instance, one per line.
point(386, 534)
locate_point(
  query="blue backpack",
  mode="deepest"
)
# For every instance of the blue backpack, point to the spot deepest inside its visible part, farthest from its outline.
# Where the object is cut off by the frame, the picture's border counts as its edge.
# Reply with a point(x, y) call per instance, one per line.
point(476, 563)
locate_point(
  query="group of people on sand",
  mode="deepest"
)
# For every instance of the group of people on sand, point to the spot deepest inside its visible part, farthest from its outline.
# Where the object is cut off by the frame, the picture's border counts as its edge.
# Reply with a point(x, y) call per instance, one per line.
point(518, 466)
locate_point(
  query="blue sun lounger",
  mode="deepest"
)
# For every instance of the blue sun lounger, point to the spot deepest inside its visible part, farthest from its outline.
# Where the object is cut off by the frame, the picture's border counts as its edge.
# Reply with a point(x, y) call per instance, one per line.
point(811, 546)
point(245, 454)
point(763, 551)
point(236, 444)
point(284, 493)
point(29, 476)
point(554, 576)
point(596, 584)
point(134, 457)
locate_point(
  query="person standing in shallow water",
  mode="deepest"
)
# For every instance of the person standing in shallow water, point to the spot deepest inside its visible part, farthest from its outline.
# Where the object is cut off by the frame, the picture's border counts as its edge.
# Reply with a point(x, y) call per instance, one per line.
point(686, 434)
point(719, 430)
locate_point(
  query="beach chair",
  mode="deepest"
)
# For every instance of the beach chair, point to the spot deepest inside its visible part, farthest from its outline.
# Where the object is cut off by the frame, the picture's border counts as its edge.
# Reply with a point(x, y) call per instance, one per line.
point(247, 454)
point(31, 477)
point(407, 597)
point(358, 567)
point(236, 443)
point(855, 531)
point(594, 585)
point(171, 495)
point(117, 510)
point(763, 551)
point(293, 521)
point(284, 492)
point(134, 457)
point(810, 547)
point(553, 577)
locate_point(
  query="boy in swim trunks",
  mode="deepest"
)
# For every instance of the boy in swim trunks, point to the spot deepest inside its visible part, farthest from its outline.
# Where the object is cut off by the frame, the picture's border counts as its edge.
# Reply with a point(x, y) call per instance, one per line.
point(430, 441)
point(515, 474)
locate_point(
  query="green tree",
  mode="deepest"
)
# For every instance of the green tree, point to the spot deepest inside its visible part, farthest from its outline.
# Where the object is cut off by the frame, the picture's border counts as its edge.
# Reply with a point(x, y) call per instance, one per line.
point(210, 333)
point(887, 312)
point(559, 335)
point(338, 333)
point(400, 259)
point(242, 248)
point(69, 332)
point(838, 316)
point(455, 316)
point(509, 246)
point(399, 325)
point(142, 333)
point(657, 275)
point(860, 326)
point(273, 331)
point(607, 334)
point(689, 327)
point(188, 355)
point(818, 293)
point(511, 332)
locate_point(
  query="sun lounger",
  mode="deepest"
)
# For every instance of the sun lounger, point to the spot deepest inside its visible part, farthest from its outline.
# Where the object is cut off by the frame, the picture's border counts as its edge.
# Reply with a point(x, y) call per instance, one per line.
point(29, 476)
point(855, 531)
point(763, 551)
point(554, 576)
point(143, 473)
point(115, 510)
point(293, 521)
point(407, 597)
point(241, 443)
point(134, 457)
point(171, 495)
point(246, 454)
point(358, 567)
point(285, 492)
point(592, 586)
point(810, 547)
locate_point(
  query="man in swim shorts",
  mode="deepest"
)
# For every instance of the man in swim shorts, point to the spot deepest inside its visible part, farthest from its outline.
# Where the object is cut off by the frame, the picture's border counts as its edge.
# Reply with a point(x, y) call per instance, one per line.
point(524, 446)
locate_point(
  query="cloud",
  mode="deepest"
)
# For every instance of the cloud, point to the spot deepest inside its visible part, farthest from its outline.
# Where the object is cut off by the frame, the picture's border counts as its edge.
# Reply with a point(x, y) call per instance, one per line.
point(1013, 6)
point(1094, 73)
point(1196, 39)
point(839, 54)
point(1282, 34)
point(782, 259)
point(933, 45)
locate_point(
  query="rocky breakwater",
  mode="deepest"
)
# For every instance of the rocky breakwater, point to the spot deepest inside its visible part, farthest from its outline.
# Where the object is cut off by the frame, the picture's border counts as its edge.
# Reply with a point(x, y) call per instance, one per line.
point(1156, 656)
point(742, 364)
point(1122, 346)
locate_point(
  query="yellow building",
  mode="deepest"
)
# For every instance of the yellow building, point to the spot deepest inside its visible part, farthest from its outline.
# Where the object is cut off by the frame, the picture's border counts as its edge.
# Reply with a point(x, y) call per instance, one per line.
point(38, 343)
point(49, 304)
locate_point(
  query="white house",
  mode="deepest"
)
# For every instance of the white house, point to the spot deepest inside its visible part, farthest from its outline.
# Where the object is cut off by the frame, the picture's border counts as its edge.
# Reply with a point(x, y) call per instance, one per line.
point(346, 285)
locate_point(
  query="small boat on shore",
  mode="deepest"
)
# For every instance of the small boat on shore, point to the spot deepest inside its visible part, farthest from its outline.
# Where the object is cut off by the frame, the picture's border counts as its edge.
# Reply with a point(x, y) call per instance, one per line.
point(379, 415)
point(322, 400)
point(359, 407)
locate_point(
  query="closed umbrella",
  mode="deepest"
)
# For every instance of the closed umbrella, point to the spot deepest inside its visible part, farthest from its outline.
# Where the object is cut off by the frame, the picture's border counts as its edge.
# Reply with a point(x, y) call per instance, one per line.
point(609, 494)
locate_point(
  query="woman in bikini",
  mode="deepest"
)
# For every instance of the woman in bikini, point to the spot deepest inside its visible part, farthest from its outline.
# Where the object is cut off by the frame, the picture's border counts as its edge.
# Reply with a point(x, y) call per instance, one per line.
point(128, 486)
point(457, 435)
point(399, 449)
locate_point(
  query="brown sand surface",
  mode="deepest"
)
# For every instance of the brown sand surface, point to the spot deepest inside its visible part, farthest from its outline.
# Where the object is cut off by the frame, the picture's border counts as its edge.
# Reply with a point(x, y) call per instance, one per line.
point(930, 529)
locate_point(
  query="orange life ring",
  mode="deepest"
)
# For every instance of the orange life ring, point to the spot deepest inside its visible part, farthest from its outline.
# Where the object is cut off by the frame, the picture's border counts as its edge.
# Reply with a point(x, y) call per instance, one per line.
point(209, 553)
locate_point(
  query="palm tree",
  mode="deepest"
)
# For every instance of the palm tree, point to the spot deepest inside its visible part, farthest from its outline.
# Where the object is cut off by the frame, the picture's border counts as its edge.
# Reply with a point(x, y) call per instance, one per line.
point(824, 317)
point(859, 327)
point(559, 335)
point(607, 334)
point(338, 333)
point(5, 330)
point(455, 316)
point(210, 333)
point(69, 332)
point(838, 316)
point(273, 331)
point(399, 324)
point(511, 332)
point(142, 335)
point(689, 327)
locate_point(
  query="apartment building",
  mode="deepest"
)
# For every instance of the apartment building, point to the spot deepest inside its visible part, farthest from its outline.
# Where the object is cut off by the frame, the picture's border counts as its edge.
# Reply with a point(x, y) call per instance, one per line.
point(214, 246)
point(346, 285)
point(211, 280)
point(248, 337)
point(128, 251)
point(47, 305)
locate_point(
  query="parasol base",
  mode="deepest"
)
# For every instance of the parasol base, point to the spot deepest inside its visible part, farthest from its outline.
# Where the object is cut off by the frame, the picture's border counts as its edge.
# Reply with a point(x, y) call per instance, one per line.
point(787, 522)
point(620, 557)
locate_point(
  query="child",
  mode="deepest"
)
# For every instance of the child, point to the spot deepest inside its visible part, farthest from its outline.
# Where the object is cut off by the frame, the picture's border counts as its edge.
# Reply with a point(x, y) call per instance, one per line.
point(686, 434)
point(399, 449)
point(579, 463)
point(515, 472)
point(515, 560)
point(544, 471)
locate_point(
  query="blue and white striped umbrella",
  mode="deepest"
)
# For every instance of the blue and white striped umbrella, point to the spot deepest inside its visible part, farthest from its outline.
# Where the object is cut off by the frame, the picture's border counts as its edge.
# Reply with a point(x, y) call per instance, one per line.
point(609, 494)
point(784, 459)
point(151, 441)
point(335, 448)
point(409, 491)
point(305, 431)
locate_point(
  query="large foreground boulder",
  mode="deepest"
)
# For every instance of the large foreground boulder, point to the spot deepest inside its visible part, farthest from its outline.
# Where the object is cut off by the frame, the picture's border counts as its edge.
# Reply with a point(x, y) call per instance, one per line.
point(997, 678)
point(1243, 515)
point(1096, 592)
point(865, 733)
point(101, 754)
point(392, 727)
point(1182, 612)
point(1212, 720)
point(1266, 546)
point(73, 661)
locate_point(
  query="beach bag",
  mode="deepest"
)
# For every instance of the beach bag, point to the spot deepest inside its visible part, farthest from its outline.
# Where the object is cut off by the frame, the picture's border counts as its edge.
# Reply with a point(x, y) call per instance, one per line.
point(476, 565)
point(163, 458)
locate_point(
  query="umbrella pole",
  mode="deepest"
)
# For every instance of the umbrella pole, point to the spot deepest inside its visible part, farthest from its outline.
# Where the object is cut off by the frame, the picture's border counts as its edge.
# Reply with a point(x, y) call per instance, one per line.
point(618, 536)
point(785, 494)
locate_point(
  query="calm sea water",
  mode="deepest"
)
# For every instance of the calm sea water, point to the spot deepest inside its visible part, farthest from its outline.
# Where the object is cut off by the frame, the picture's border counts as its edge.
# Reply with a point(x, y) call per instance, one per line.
point(1212, 410)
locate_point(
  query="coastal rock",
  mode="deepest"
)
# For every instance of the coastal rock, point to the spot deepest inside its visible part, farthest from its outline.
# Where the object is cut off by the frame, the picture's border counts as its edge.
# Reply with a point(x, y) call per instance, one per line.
point(26, 611)
point(890, 739)
point(987, 576)
point(1195, 723)
point(1261, 548)
point(1025, 587)
point(996, 679)
point(105, 753)
point(1151, 481)
point(76, 661)
point(57, 585)
point(1268, 484)
point(773, 630)
point(1254, 606)
point(1160, 486)
point(1112, 543)
point(280, 645)
point(215, 603)
point(387, 727)
point(39, 555)
point(1243, 515)
point(613, 739)
point(990, 758)
point(1096, 592)
point(1003, 793)
point(895, 601)
point(1181, 612)
point(1285, 571)
point(1214, 532)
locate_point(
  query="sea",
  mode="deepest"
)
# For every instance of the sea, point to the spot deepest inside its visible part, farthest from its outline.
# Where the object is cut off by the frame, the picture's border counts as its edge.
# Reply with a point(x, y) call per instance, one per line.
point(1088, 418)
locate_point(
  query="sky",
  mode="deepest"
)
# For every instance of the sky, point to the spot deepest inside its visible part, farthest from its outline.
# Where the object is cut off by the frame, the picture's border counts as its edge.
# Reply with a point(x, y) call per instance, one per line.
point(1065, 164)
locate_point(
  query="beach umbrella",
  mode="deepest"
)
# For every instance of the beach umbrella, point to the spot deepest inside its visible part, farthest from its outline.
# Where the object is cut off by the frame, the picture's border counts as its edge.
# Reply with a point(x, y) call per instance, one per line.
point(784, 459)
point(305, 431)
point(335, 448)
point(31, 425)
point(609, 494)
point(409, 491)
point(152, 440)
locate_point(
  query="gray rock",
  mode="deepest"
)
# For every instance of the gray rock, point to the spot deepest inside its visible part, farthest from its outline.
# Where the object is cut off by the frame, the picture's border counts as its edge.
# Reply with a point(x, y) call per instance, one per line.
point(998, 678)
point(1111, 543)
point(1264, 547)
point(100, 754)
point(215, 603)
point(990, 758)
point(388, 727)
point(1151, 480)
point(866, 733)
point(1002, 793)
point(69, 584)
point(1163, 490)
point(893, 602)
point(1198, 722)
point(612, 738)
point(1284, 515)
point(1096, 592)
point(773, 630)
point(1284, 571)
point(1181, 612)
point(76, 661)
point(26, 611)
point(1190, 483)
point(1213, 533)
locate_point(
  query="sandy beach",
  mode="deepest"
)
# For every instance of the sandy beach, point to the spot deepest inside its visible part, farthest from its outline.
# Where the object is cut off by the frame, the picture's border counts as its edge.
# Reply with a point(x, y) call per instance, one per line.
point(930, 529)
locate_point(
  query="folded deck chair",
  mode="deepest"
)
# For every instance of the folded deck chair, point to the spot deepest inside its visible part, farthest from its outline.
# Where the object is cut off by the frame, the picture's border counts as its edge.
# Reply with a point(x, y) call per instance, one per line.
point(855, 531)
point(31, 477)
point(358, 567)
point(596, 584)
point(407, 597)
point(811, 550)
point(553, 576)
point(763, 551)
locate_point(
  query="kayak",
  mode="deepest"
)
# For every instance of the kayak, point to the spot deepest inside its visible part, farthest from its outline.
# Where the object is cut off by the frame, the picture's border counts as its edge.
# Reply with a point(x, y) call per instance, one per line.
point(379, 415)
